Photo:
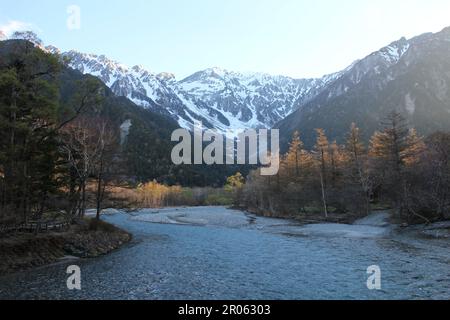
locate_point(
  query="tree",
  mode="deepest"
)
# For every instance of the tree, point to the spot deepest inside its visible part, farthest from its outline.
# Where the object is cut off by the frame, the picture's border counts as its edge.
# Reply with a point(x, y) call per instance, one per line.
point(294, 154)
point(28, 139)
point(235, 181)
point(106, 146)
point(357, 164)
point(234, 185)
point(391, 144)
point(415, 146)
point(80, 148)
point(321, 150)
point(435, 183)
point(391, 150)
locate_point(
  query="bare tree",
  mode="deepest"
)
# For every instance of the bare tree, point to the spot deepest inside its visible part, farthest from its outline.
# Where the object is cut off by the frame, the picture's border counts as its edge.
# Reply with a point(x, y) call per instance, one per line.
point(80, 146)
point(107, 143)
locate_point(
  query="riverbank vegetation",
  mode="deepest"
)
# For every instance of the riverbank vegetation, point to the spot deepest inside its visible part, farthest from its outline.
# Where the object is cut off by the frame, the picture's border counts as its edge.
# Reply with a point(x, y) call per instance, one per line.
point(157, 195)
point(398, 169)
point(88, 238)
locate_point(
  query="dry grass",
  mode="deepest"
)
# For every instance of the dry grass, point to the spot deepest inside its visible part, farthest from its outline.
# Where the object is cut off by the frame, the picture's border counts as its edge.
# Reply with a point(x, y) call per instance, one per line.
point(155, 195)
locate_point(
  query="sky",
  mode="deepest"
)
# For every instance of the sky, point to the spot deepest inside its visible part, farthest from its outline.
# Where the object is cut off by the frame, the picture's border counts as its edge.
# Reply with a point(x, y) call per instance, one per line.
point(296, 38)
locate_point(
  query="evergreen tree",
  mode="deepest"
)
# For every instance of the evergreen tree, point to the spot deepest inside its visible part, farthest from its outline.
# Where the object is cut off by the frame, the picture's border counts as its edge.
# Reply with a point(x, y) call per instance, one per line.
point(28, 139)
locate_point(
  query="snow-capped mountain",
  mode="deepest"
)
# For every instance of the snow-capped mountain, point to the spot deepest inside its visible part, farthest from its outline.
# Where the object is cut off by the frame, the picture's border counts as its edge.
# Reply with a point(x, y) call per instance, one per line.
point(251, 99)
point(227, 100)
point(221, 99)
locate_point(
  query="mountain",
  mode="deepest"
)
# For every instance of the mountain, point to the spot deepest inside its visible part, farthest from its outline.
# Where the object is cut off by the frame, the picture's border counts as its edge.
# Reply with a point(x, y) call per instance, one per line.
point(220, 99)
point(409, 76)
point(145, 135)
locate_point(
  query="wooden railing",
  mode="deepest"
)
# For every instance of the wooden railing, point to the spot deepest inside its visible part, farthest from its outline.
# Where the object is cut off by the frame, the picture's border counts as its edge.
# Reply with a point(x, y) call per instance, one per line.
point(33, 226)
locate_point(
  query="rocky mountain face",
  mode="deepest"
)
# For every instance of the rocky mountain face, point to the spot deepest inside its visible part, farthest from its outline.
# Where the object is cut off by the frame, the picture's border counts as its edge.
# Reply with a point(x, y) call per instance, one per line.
point(409, 76)
point(220, 99)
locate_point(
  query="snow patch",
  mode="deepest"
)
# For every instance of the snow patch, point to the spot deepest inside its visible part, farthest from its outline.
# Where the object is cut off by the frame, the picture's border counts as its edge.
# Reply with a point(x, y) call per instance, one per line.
point(410, 104)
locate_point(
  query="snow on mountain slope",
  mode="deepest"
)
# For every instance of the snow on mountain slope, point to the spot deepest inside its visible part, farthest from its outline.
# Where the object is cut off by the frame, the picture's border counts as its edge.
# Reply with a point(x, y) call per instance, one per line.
point(227, 100)
point(220, 99)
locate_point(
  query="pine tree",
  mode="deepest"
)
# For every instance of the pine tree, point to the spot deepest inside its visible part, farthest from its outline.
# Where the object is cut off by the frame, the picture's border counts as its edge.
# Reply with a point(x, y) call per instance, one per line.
point(28, 139)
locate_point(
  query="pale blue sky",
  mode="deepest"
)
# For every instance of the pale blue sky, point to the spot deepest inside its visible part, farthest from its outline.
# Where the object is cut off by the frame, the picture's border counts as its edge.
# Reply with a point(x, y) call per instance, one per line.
point(290, 37)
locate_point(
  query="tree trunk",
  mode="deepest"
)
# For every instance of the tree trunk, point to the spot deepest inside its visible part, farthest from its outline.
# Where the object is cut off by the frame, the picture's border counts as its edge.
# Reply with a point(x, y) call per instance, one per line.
point(100, 188)
point(323, 195)
point(83, 200)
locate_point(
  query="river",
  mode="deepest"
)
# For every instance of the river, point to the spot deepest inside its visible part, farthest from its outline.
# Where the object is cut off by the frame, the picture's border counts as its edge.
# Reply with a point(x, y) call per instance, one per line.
point(216, 253)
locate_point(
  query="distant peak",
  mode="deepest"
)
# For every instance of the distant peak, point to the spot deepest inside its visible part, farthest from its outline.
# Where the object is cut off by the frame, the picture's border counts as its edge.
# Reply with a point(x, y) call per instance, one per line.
point(216, 71)
point(138, 68)
point(166, 76)
point(401, 42)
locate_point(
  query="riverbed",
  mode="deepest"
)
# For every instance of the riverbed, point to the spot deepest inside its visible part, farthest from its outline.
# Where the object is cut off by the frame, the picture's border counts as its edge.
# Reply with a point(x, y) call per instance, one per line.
point(217, 253)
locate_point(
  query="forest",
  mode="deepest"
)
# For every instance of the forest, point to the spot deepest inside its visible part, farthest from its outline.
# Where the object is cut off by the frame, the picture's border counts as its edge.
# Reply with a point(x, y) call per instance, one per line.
point(397, 170)
point(48, 150)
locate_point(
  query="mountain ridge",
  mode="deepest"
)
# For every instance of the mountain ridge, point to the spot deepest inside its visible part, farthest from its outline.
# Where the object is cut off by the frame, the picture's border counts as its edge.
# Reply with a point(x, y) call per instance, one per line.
point(411, 77)
point(227, 100)
point(219, 98)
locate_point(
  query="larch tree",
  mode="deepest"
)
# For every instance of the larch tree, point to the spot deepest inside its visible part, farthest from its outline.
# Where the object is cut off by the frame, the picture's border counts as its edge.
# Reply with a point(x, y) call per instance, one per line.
point(294, 154)
point(357, 163)
point(321, 150)
point(390, 150)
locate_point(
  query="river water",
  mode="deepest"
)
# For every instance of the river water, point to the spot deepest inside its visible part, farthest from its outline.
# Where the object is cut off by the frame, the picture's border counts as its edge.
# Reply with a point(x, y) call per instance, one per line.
point(216, 253)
